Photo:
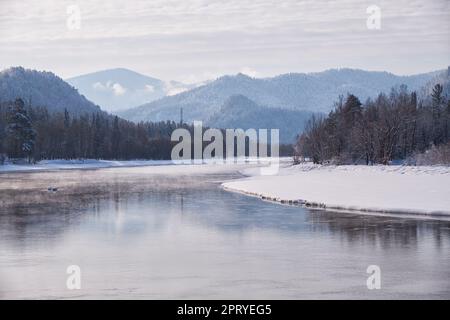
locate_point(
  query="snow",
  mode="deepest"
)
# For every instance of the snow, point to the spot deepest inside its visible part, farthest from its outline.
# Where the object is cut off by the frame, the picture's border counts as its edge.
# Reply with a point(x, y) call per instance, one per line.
point(382, 189)
point(79, 164)
point(46, 165)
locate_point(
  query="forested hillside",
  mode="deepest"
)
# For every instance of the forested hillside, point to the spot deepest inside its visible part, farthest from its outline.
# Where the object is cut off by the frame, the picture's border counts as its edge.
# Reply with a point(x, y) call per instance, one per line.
point(240, 112)
point(35, 133)
point(40, 89)
point(43, 117)
point(390, 127)
point(314, 92)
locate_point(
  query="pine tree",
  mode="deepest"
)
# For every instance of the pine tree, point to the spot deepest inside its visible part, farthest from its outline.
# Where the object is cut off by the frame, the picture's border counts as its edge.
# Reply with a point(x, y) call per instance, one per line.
point(66, 147)
point(2, 141)
point(116, 138)
point(20, 131)
point(437, 96)
point(438, 101)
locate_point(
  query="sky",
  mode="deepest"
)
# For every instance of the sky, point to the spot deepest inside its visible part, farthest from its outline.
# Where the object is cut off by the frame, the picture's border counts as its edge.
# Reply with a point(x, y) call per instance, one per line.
point(195, 40)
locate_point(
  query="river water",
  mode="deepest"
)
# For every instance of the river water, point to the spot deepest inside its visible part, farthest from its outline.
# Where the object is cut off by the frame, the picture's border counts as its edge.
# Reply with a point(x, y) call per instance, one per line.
point(150, 233)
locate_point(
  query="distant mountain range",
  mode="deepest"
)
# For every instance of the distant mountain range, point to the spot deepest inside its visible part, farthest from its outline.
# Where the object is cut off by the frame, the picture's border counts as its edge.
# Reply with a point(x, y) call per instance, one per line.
point(119, 89)
point(284, 102)
point(314, 92)
point(239, 111)
point(43, 89)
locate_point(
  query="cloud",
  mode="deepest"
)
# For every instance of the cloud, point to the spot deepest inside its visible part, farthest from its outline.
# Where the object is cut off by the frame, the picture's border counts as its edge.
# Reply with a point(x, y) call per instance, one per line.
point(149, 88)
point(116, 88)
point(200, 78)
point(189, 36)
point(174, 91)
point(249, 72)
point(172, 88)
point(98, 86)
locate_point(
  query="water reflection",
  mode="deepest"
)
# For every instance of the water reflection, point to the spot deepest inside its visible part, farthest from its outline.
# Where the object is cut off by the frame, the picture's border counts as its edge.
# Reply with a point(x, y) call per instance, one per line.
point(106, 204)
point(378, 230)
point(139, 219)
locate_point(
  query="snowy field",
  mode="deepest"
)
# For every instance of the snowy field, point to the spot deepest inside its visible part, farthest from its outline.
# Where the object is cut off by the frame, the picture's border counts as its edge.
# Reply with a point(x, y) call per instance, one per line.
point(382, 189)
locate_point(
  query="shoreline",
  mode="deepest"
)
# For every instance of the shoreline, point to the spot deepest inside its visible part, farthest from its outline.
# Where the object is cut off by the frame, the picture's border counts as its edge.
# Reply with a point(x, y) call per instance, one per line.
point(342, 209)
point(315, 192)
point(89, 164)
point(399, 191)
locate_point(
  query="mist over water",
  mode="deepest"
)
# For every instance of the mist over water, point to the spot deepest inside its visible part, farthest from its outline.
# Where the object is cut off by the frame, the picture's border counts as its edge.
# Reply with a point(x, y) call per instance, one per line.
point(137, 233)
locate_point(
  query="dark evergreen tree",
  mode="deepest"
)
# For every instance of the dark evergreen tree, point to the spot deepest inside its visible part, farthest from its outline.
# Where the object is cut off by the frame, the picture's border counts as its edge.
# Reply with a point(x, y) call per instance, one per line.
point(387, 128)
point(20, 131)
point(115, 143)
point(438, 105)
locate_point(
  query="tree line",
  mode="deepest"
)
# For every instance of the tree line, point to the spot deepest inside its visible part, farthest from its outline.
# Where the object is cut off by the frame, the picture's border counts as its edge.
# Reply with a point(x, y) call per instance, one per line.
point(391, 127)
point(35, 133)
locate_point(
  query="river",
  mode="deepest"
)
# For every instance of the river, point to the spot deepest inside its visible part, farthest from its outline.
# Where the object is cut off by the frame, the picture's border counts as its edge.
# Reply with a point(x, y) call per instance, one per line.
point(158, 233)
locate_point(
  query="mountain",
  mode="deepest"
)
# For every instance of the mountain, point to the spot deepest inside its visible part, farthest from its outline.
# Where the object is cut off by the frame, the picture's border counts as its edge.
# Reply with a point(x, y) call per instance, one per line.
point(294, 91)
point(43, 89)
point(239, 111)
point(119, 89)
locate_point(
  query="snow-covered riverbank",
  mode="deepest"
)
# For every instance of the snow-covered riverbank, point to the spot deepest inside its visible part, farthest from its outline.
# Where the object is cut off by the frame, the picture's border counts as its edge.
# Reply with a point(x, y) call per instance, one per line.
point(383, 189)
point(79, 164)
point(46, 165)
point(388, 189)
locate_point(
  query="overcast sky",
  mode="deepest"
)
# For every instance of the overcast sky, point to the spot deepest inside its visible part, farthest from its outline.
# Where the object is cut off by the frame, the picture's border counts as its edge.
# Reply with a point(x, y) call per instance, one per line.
point(194, 40)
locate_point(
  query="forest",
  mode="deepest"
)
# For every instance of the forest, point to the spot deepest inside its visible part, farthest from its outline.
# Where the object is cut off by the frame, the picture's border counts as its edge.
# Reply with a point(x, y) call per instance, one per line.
point(34, 133)
point(391, 127)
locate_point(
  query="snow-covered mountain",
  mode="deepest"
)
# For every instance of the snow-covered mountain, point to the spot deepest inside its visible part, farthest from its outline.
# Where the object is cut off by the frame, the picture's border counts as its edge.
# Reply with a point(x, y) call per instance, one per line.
point(295, 91)
point(41, 88)
point(119, 89)
point(240, 112)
